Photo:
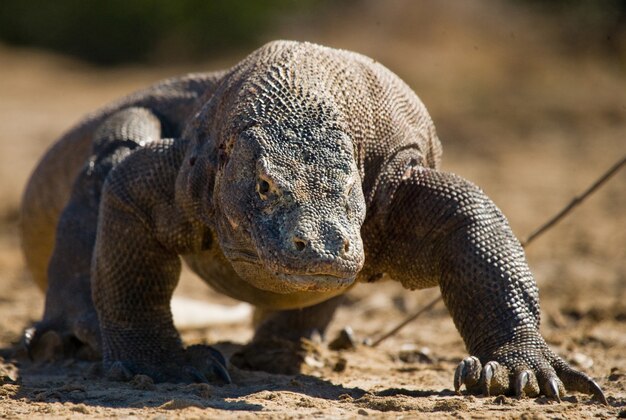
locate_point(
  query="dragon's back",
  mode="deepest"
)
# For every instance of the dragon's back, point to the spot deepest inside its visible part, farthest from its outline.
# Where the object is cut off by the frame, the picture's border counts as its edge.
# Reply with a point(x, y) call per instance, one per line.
point(48, 188)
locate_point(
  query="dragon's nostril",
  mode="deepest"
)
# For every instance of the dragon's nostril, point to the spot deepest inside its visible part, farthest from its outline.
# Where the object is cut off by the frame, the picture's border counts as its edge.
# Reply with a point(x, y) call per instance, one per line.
point(346, 245)
point(299, 244)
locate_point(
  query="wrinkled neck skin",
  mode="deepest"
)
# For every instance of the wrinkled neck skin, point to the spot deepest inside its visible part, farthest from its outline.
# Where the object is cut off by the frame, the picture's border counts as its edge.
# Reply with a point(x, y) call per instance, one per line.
point(274, 174)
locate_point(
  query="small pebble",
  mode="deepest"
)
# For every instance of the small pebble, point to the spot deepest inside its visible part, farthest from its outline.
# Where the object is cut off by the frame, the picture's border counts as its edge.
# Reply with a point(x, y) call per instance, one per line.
point(344, 341)
point(615, 374)
point(142, 382)
point(180, 404)
point(313, 362)
point(502, 400)
point(409, 353)
point(202, 390)
point(119, 372)
point(341, 365)
point(81, 408)
point(316, 337)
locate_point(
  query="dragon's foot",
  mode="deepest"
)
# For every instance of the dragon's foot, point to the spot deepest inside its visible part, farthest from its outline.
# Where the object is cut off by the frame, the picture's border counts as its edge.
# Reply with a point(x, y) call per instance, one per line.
point(198, 363)
point(273, 355)
point(549, 376)
point(58, 338)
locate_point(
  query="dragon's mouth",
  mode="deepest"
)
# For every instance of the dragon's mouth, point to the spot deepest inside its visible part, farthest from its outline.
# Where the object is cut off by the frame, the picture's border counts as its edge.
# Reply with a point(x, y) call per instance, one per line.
point(282, 279)
point(242, 255)
point(316, 282)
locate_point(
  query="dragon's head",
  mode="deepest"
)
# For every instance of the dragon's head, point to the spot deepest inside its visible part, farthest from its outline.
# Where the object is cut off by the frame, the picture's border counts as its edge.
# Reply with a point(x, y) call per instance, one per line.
point(286, 198)
point(290, 206)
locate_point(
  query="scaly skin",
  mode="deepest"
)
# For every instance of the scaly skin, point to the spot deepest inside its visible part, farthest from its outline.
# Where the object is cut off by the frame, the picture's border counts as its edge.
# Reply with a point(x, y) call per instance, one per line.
point(281, 182)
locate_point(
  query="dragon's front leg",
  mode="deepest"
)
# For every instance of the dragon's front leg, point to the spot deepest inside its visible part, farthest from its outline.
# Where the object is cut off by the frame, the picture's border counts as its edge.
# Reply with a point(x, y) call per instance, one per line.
point(433, 228)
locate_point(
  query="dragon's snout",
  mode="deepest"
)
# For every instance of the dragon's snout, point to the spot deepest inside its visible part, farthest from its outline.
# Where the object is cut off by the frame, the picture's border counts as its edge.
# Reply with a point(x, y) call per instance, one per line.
point(315, 245)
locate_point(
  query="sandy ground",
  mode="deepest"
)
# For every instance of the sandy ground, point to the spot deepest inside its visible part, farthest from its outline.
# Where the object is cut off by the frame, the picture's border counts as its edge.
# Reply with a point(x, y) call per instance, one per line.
point(531, 126)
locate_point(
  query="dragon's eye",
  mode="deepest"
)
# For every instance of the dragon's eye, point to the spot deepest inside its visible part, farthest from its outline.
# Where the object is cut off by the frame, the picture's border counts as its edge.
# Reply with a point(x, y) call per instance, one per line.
point(264, 187)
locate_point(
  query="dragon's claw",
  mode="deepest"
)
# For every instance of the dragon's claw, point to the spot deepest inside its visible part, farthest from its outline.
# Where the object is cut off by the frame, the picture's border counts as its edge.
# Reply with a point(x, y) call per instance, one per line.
point(554, 388)
point(198, 364)
point(500, 377)
point(53, 339)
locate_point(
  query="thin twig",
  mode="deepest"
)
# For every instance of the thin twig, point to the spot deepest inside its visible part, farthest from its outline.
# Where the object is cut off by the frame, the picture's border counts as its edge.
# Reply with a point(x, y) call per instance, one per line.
point(536, 233)
point(406, 321)
point(575, 201)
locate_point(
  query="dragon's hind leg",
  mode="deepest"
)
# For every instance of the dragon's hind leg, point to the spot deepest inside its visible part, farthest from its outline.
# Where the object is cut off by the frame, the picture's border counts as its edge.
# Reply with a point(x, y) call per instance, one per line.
point(277, 346)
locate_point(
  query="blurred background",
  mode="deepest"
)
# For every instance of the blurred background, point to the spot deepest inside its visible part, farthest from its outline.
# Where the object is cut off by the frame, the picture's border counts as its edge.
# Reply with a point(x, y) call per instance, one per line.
point(116, 32)
point(529, 98)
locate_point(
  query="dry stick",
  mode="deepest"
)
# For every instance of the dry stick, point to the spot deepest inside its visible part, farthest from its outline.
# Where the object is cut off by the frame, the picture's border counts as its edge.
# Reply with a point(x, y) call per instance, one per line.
point(575, 202)
point(407, 321)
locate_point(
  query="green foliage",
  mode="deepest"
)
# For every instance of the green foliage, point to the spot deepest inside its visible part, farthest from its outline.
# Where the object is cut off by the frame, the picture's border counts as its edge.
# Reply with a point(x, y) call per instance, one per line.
point(115, 31)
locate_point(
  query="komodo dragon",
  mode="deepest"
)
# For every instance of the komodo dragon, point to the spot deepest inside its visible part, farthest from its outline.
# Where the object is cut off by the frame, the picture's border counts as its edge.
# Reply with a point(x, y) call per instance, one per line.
point(281, 182)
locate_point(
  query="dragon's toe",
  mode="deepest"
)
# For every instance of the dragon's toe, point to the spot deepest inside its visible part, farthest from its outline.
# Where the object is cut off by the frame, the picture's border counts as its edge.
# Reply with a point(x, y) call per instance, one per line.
point(273, 355)
point(43, 344)
point(467, 373)
point(525, 384)
point(490, 379)
point(550, 384)
point(531, 375)
point(50, 339)
point(200, 364)
point(207, 360)
point(494, 379)
point(578, 381)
